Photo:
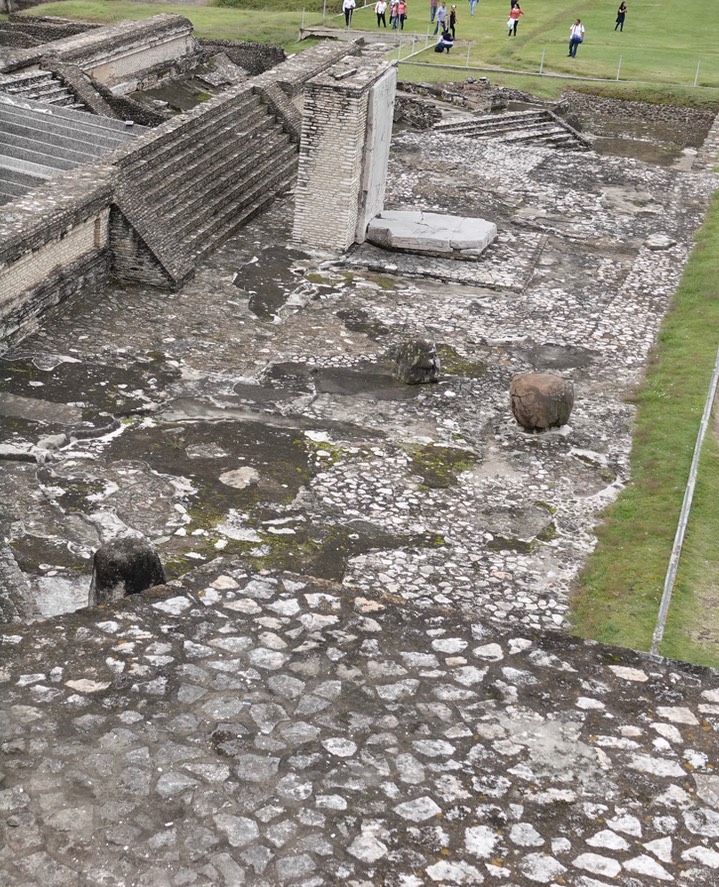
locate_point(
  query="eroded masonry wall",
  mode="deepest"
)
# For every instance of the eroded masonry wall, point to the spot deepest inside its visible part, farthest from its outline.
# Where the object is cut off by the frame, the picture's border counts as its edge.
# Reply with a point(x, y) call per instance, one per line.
point(52, 244)
point(344, 131)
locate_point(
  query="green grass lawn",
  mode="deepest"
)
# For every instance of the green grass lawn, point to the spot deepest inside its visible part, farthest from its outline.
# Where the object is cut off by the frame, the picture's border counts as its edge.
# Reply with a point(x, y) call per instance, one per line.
point(660, 43)
point(215, 23)
point(619, 592)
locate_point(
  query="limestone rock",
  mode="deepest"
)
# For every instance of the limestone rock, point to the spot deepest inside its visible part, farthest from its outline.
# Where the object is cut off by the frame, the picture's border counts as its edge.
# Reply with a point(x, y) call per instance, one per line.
point(417, 362)
point(124, 566)
point(541, 400)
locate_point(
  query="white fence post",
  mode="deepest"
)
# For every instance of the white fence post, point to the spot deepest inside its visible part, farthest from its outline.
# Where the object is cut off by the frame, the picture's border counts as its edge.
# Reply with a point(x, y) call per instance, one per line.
point(541, 64)
point(696, 76)
point(619, 67)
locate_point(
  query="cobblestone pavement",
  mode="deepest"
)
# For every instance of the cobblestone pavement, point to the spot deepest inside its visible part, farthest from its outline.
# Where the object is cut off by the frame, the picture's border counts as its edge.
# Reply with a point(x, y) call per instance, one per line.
point(271, 730)
point(359, 676)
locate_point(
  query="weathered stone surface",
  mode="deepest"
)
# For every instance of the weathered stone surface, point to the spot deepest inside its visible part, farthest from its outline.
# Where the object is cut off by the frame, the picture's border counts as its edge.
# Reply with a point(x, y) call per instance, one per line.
point(541, 400)
point(430, 232)
point(124, 566)
point(417, 362)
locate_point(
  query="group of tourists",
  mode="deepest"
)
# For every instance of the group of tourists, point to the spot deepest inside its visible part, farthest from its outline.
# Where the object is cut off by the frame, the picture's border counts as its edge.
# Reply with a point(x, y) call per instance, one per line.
point(397, 13)
point(445, 20)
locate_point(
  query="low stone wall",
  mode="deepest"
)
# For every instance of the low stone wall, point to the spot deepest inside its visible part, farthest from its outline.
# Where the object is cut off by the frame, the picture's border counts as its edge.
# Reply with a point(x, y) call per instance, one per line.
point(45, 29)
point(255, 58)
point(53, 242)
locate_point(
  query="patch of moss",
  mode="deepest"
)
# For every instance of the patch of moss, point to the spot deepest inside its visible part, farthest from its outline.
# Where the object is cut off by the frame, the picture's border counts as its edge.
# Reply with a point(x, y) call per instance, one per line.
point(455, 365)
point(382, 281)
point(439, 466)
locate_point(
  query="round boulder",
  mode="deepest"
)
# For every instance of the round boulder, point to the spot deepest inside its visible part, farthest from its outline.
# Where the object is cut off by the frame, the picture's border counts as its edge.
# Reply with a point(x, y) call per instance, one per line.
point(541, 400)
point(124, 566)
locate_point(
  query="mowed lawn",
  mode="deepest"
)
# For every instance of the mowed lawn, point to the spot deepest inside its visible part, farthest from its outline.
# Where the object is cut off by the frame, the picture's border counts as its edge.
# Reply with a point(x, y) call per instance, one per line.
point(211, 22)
point(661, 41)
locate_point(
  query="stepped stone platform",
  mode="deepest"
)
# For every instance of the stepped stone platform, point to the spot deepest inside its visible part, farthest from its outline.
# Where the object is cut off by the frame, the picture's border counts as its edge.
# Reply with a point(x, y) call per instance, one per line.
point(539, 126)
point(37, 143)
point(39, 86)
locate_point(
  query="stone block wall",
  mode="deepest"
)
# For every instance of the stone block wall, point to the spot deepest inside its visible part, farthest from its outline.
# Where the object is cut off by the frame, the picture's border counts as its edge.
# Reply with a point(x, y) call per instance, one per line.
point(131, 55)
point(53, 241)
point(342, 127)
point(132, 260)
point(255, 58)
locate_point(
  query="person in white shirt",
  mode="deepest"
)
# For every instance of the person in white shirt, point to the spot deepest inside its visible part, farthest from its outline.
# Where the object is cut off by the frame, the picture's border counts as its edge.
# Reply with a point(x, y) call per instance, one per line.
point(381, 8)
point(348, 8)
point(576, 36)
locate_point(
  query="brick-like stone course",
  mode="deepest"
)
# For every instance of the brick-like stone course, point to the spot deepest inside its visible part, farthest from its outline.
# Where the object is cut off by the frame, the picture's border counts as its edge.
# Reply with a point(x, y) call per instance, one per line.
point(255, 58)
point(333, 151)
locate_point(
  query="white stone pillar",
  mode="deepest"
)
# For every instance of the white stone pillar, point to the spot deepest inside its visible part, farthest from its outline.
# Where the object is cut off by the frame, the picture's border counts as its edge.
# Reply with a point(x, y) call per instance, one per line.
point(344, 151)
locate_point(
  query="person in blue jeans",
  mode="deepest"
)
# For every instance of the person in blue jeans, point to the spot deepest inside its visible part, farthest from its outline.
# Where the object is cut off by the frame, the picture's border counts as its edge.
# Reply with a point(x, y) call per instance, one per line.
point(472, 6)
point(440, 20)
point(576, 36)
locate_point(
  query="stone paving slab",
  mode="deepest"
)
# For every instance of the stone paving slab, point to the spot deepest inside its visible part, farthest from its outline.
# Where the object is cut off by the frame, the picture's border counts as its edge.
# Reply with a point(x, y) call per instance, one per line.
point(269, 730)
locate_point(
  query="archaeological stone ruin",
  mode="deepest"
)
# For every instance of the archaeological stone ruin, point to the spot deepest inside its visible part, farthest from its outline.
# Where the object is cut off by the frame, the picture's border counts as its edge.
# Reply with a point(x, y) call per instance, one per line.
point(294, 499)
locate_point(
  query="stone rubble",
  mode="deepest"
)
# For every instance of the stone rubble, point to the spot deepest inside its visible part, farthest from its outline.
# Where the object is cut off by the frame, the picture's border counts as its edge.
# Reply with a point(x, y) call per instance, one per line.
point(357, 676)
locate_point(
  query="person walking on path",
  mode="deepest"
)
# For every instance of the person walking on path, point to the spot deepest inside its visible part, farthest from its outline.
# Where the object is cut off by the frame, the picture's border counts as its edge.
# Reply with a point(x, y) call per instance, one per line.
point(348, 8)
point(440, 20)
point(513, 20)
point(402, 14)
point(472, 6)
point(576, 36)
point(453, 21)
point(432, 10)
point(380, 9)
point(621, 14)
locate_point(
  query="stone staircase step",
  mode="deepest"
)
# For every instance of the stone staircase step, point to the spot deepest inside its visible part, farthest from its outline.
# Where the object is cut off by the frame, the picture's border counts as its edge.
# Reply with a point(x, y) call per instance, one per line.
point(246, 188)
point(233, 220)
point(517, 127)
point(213, 174)
point(56, 149)
point(35, 154)
point(48, 131)
point(71, 117)
point(162, 152)
point(192, 186)
point(191, 154)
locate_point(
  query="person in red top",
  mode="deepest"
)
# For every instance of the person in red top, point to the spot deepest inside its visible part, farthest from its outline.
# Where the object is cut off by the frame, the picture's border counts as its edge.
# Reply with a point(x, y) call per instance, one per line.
point(402, 14)
point(513, 20)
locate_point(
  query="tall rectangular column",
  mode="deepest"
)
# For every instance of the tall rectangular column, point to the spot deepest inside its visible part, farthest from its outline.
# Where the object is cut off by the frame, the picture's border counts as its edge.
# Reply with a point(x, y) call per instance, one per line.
point(344, 150)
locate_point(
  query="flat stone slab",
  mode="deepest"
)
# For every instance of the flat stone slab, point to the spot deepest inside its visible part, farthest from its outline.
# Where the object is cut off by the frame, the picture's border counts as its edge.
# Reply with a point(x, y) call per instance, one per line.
point(430, 232)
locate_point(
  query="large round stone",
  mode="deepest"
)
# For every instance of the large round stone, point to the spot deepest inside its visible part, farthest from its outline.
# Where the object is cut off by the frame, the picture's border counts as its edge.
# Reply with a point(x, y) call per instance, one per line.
point(541, 400)
point(124, 566)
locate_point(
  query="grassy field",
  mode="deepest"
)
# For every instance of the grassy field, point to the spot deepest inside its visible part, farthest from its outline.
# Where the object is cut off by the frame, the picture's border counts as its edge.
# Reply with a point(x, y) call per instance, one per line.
point(216, 23)
point(660, 44)
point(621, 587)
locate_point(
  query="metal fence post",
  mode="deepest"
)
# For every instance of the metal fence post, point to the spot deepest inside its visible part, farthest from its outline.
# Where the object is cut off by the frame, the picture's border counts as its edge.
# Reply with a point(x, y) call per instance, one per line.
point(541, 64)
point(619, 67)
point(696, 76)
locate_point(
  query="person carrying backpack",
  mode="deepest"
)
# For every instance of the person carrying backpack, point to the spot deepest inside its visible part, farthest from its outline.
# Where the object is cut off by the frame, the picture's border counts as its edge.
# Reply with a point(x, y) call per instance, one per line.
point(576, 36)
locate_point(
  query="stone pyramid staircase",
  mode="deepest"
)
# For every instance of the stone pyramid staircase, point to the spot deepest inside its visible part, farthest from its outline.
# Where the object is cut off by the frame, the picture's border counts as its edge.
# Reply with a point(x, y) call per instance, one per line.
point(539, 126)
point(38, 142)
point(194, 182)
point(39, 86)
